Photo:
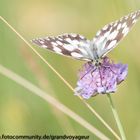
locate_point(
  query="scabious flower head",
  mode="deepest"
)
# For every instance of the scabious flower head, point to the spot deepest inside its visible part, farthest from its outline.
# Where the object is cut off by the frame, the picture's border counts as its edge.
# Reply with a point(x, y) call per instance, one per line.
point(103, 78)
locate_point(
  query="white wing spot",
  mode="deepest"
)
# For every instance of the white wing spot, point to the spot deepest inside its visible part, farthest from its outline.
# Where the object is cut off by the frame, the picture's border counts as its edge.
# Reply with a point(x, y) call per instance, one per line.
point(115, 24)
point(82, 37)
point(106, 34)
point(126, 17)
point(105, 27)
point(134, 21)
point(69, 47)
point(41, 41)
point(57, 50)
point(47, 38)
point(102, 38)
point(59, 43)
point(98, 33)
point(113, 35)
point(94, 39)
point(73, 35)
point(134, 16)
point(68, 40)
point(60, 39)
point(66, 35)
point(119, 26)
point(77, 55)
point(112, 44)
point(75, 42)
point(125, 30)
point(54, 44)
point(124, 24)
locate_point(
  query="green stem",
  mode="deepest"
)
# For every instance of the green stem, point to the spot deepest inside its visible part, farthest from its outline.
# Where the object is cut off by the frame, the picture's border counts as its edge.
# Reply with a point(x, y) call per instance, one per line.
point(118, 122)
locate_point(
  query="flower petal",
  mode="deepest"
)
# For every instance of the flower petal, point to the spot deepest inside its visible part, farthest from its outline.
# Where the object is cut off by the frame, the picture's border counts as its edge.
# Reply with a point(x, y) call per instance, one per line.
point(103, 78)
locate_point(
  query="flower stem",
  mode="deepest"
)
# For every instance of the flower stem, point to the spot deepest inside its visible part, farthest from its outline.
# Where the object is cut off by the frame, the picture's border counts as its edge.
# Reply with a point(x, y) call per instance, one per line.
point(116, 116)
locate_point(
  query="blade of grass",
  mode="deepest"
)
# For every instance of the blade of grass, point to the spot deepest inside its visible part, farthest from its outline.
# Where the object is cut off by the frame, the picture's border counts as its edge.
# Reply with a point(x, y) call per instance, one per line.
point(49, 65)
point(51, 100)
point(116, 116)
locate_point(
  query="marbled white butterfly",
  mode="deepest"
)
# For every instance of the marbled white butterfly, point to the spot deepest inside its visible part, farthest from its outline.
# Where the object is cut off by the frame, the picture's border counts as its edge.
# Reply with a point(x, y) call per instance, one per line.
point(78, 47)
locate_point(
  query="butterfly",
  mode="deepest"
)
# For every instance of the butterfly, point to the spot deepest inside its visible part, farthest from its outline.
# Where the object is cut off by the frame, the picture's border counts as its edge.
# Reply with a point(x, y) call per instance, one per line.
point(78, 47)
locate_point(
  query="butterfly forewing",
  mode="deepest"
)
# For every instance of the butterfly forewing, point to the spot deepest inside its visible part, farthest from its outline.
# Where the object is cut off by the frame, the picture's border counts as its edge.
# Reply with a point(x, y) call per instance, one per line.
point(73, 45)
point(110, 35)
point(78, 47)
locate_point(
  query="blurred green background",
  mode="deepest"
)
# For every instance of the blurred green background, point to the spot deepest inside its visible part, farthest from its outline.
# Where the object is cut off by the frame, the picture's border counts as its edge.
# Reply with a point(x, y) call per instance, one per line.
point(22, 112)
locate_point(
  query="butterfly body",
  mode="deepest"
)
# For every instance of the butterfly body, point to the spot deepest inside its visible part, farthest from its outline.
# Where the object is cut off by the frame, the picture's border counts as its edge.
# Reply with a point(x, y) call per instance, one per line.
point(78, 47)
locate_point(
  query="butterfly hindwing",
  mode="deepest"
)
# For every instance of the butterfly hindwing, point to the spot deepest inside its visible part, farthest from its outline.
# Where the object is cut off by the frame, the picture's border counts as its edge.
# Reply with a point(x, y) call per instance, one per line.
point(73, 45)
point(109, 36)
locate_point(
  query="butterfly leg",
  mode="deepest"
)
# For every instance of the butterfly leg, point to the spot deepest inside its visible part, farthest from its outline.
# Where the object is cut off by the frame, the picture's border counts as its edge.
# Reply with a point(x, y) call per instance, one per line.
point(109, 68)
point(92, 71)
point(89, 63)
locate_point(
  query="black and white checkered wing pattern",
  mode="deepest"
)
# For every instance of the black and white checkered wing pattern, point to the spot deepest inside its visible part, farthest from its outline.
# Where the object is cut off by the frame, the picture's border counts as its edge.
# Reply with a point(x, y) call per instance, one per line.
point(73, 45)
point(109, 36)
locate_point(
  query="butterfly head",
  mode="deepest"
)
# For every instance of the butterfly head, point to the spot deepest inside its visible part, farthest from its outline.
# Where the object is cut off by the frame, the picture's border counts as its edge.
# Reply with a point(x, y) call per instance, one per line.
point(97, 62)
